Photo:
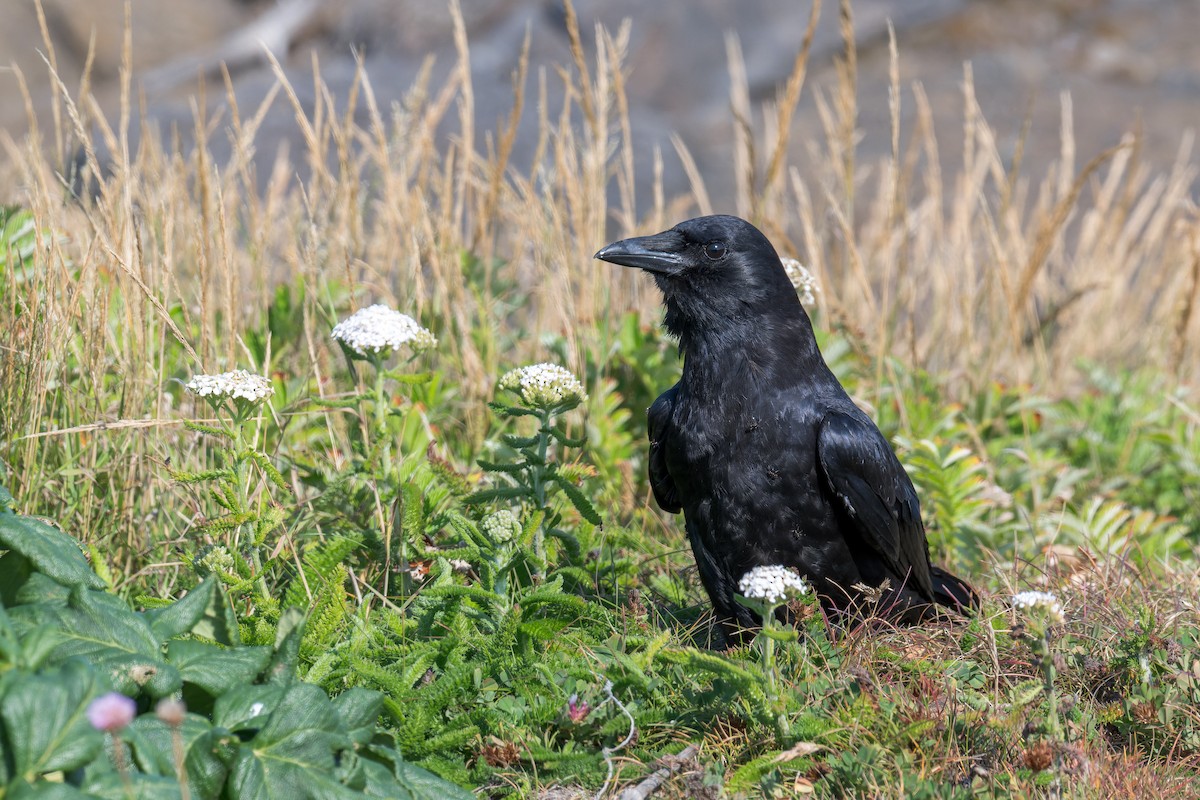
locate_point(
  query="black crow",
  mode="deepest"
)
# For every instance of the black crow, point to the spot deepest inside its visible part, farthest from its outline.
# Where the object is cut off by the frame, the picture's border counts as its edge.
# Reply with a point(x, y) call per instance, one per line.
point(759, 445)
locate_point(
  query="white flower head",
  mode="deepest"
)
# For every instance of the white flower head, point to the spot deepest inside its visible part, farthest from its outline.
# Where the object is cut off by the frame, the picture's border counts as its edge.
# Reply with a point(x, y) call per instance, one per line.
point(377, 328)
point(501, 525)
point(1040, 603)
point(544, 386)
point(804, 281)
point(236, 385)
point(773, 584)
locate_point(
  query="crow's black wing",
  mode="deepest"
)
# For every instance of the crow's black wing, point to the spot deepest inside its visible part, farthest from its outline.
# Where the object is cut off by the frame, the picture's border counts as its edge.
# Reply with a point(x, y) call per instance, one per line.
point(659, 421)
point(861, 469)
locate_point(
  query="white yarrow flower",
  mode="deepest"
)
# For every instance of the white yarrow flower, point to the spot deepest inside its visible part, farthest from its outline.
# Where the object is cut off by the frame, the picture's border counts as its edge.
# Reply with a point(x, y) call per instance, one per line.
point(377, 328)
point(236, 385)
point(1040, 602)
point(804, 281)
point(544, 386)
point(773, 584)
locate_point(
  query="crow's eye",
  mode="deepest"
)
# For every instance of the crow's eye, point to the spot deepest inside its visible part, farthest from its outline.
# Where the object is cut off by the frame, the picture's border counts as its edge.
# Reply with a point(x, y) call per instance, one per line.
point(715, 250)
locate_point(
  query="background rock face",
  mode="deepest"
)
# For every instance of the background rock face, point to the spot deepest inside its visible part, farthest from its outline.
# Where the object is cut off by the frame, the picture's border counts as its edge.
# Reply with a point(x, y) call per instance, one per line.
point(1121, 60)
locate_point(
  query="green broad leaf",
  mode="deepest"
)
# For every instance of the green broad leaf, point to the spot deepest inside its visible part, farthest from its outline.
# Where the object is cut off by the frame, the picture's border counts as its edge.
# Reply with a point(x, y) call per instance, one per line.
point(102, 629)
point(153, 744)
point(219, 622)
point(45, 719)
point(282, 667)
point(15, 570)
point(380, 771)
point(184, 614)
point(246, 706)
point(581, 503)
point(135, 674)
point(97, 624)
point(37, 589)
point(44, 790)
point(111, 785)
point(421, 784)
point(293, 754)
point(49, 550)
point(216, 669)
point(7, 501)
point(359, 709)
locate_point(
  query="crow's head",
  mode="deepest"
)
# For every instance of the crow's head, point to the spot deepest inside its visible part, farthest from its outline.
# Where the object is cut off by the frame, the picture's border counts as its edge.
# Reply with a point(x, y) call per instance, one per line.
point(714, 272)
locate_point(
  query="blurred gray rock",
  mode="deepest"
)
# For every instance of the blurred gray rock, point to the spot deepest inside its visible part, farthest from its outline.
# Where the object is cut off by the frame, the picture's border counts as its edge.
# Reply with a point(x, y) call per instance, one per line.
point(1120, 59)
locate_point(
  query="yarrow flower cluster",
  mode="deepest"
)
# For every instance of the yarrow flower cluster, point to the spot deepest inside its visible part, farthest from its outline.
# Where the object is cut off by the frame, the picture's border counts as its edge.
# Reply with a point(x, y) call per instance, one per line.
point(501, 525)
point(1040, 602)
point(215, 561)
point(236, 385)
point(377, 328)
point(773, 584)
point(544, 386)
point(111, 712)
point(804, 281)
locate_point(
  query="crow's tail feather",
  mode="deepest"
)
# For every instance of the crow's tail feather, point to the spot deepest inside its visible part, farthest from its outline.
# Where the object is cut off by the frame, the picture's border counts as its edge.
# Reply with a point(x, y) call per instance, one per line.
point(953, 592)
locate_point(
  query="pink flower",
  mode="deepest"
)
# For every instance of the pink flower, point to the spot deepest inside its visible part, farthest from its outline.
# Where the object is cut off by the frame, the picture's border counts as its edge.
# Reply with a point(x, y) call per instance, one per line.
point(576, 710)
point(111, 712)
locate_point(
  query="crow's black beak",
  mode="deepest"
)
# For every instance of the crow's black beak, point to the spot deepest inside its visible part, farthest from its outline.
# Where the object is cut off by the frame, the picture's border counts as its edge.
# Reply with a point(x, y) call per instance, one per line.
point(661, 253)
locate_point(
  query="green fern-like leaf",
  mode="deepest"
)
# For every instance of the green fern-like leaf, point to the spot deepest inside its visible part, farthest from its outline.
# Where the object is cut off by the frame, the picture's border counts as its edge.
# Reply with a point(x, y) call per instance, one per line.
point(321, 564)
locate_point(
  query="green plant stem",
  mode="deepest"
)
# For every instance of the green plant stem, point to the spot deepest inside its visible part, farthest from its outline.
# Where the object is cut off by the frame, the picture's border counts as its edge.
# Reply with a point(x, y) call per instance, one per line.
point(379, 436)
point(242, 476)
point(381, 414)
point(768, 653)
point(537, 483)
point(1042, 647)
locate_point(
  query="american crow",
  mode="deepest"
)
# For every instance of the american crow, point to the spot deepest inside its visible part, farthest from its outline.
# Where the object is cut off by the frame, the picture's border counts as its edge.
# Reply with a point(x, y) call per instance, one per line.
point(760, 446)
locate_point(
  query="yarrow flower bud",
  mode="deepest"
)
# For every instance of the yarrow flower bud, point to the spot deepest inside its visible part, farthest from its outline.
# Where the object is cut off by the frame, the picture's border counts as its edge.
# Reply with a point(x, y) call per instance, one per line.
point(111, 712)
point(544, 386)
point(804, 281)
point(236, 385)
point(1040, 602)
point(502, 525)
point(215, 560)
point(773, 584)
point(377, 328)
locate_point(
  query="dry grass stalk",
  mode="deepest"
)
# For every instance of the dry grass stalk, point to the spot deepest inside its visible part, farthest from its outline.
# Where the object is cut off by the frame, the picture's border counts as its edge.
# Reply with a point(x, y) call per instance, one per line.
point(977, 272)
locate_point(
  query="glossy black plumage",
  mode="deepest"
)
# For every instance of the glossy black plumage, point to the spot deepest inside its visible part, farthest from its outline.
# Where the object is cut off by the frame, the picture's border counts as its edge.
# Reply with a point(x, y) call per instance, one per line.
point(759, 445)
